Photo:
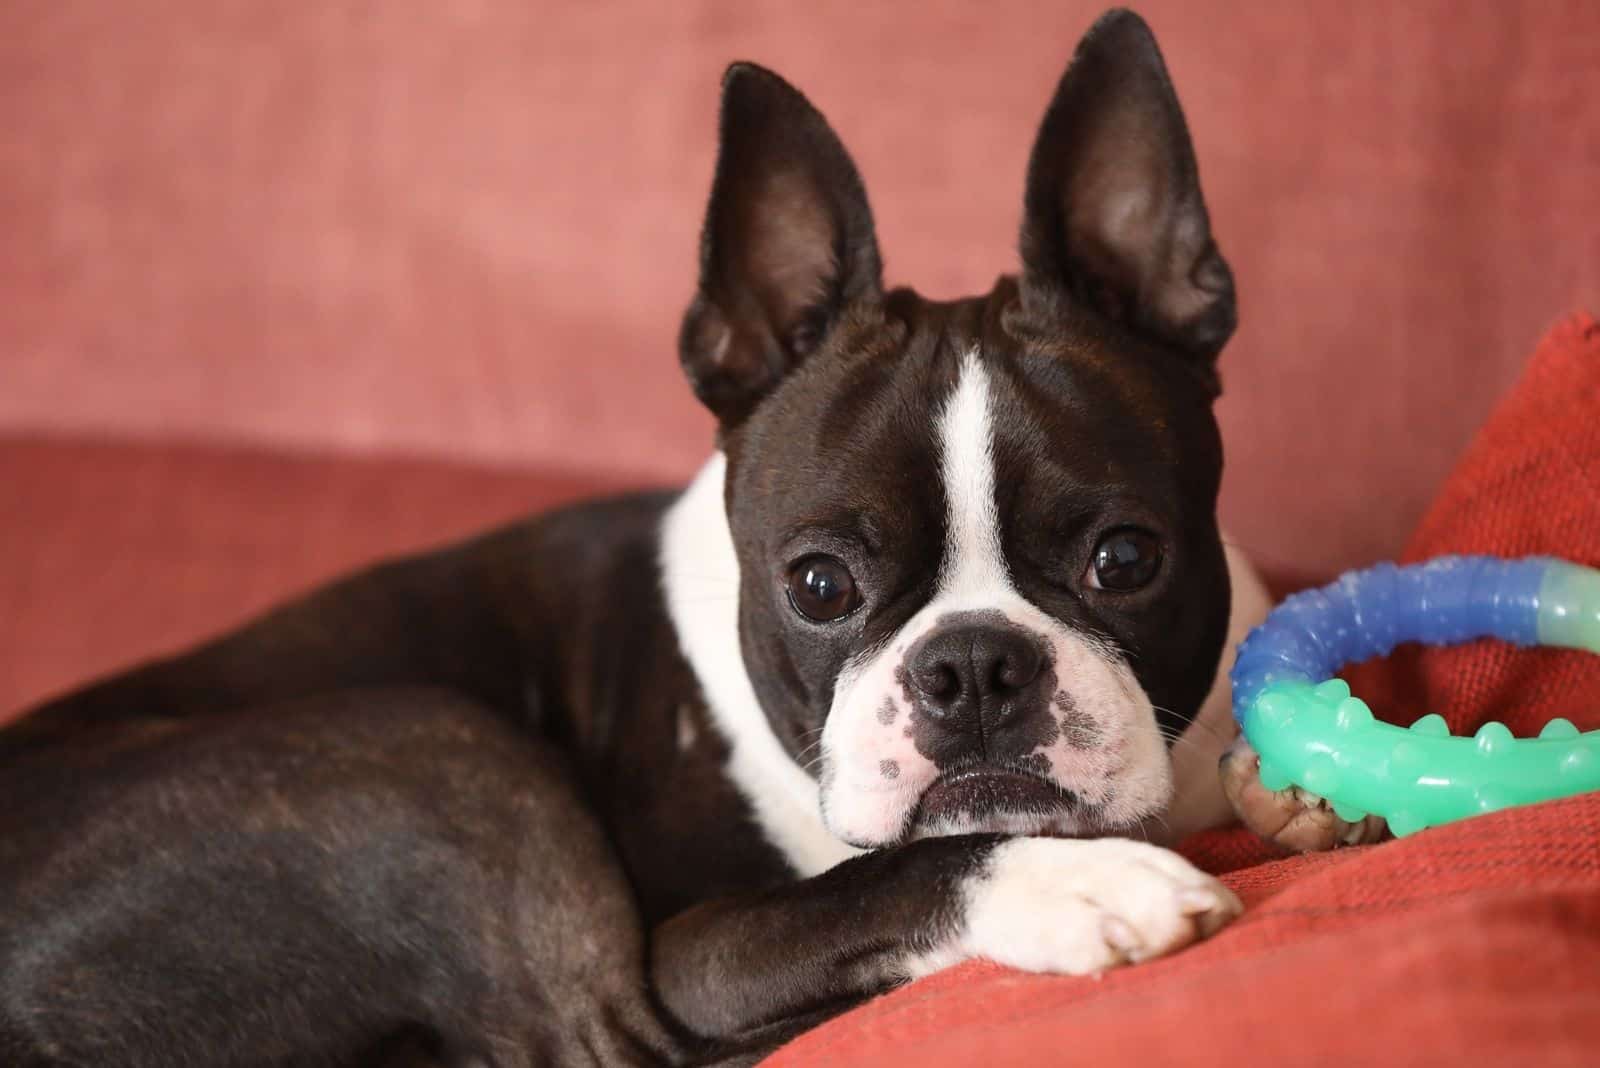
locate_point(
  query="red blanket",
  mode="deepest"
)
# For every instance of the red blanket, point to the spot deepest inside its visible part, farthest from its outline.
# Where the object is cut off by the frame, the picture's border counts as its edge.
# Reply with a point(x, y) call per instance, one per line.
point(1471, 944)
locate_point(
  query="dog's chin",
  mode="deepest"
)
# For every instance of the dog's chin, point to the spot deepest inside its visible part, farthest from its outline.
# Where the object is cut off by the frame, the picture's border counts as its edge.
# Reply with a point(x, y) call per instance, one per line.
point(983, 800)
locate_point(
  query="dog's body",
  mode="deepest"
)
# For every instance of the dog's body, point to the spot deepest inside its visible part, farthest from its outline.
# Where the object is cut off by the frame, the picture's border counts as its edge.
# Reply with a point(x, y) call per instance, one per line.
point(666, 778)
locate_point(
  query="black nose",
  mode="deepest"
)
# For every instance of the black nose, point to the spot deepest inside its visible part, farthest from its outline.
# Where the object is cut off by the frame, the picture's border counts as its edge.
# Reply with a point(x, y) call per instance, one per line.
point(975, 677)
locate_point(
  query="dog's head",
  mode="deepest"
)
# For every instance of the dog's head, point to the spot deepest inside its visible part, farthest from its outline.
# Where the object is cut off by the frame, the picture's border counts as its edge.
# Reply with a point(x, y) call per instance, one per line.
point(980, 580)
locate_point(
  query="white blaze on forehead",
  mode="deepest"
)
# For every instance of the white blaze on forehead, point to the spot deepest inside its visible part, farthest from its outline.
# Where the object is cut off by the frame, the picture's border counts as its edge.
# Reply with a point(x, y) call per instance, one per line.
point(1126, 774)
point(974, 562)
point(873, 773)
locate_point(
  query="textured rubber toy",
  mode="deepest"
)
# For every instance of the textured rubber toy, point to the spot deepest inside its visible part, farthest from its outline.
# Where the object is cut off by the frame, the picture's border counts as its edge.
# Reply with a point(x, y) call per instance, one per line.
point(1310, 731)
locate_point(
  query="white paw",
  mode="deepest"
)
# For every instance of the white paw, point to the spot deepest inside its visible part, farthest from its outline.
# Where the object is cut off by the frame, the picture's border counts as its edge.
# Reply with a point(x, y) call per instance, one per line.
point(1076, 907)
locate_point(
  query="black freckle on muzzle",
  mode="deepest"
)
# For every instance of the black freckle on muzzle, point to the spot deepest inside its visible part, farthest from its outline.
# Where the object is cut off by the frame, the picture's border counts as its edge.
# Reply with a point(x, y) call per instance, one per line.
point(1080, 729)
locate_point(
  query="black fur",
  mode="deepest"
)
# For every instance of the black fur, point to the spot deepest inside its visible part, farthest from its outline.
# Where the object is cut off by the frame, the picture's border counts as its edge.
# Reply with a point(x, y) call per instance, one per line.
point(469, 808)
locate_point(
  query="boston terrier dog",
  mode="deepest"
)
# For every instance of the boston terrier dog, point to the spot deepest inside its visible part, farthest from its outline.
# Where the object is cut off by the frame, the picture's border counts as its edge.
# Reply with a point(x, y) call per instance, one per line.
point(895, 682)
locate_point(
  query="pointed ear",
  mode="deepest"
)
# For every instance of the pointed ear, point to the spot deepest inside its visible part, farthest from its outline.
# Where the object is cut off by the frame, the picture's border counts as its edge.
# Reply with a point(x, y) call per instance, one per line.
point(1113, 213)
point(788, 244)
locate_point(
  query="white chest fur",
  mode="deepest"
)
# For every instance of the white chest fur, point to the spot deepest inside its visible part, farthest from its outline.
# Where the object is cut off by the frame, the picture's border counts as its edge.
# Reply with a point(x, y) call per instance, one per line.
point(700, 574)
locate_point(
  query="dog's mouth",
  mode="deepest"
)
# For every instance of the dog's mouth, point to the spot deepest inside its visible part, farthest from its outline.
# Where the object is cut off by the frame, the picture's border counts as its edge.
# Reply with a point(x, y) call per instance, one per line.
point(970, 797)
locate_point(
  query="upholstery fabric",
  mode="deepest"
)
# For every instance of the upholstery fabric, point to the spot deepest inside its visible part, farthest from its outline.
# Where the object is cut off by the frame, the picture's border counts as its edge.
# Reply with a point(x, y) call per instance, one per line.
point(466, 228)
point(112, 553)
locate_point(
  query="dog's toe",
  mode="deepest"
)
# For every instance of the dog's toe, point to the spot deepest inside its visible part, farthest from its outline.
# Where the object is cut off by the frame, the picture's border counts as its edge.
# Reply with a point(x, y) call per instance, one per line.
point(1294, 819)
point(1079, 907)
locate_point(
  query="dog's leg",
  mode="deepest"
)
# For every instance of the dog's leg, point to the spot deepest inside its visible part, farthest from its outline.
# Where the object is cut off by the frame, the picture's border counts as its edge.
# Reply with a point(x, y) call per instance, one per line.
point(310, 884)
point(1291, 819)
point(732, 967)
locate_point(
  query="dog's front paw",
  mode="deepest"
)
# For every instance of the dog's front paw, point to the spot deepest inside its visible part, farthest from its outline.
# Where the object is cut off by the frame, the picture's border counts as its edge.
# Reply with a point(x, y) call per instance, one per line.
point(1076, 907)
point(1292, 819)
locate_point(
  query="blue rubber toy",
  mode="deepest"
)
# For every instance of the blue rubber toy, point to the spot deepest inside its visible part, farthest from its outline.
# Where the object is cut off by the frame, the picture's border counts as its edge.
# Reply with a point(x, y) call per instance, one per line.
point(1310, 731)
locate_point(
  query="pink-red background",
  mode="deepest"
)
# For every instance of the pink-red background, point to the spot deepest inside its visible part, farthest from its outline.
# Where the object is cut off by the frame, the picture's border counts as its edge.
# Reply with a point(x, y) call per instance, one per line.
point(463, 230)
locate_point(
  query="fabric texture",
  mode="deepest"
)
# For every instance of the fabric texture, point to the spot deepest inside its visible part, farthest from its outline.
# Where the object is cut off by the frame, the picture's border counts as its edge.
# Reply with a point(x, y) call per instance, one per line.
point(467, 228)
point(1473, 943)
point(112, 553)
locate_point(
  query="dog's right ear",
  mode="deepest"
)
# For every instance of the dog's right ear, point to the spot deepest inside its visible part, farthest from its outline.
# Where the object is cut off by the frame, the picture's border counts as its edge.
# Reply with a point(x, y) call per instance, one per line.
point(788, 244)
point(1113, 212)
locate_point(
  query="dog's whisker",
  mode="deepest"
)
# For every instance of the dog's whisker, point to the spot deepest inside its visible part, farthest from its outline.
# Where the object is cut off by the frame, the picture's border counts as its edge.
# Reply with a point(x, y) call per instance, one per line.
point(1176, 740)
point(806, 754)
point(1194, 721)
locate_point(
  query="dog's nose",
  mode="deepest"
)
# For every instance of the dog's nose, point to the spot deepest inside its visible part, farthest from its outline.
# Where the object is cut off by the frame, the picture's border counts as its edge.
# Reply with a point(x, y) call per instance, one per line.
point(972, 677)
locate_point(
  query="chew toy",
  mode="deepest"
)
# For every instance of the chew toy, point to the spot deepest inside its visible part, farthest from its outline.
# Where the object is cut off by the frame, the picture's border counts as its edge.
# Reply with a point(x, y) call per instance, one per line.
point(1310, 731)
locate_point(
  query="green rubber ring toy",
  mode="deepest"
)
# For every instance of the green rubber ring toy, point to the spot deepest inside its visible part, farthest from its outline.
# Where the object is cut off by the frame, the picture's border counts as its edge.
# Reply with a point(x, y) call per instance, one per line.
point(1310, 731)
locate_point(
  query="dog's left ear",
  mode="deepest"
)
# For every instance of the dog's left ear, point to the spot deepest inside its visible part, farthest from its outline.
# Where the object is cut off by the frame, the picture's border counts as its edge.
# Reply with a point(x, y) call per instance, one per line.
point(788, 244)
point(1113, 212)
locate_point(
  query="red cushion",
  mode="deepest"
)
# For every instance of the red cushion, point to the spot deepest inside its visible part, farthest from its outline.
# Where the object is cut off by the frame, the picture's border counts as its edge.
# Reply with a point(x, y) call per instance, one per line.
point(1471, 943)
point(118, 552)
point(468, 227)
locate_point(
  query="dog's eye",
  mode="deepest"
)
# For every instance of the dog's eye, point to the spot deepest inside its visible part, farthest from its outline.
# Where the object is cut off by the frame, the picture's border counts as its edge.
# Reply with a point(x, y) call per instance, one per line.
point(821, 589)
point(1125, 560)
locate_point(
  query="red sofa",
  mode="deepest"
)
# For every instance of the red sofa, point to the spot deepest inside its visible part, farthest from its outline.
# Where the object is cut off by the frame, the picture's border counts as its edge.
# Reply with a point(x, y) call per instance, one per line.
point(287, 287)
point(465, 229)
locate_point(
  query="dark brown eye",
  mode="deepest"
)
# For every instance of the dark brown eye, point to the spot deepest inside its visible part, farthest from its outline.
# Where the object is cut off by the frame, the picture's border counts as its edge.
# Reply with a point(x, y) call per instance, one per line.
point(821, 589)
point(1125, 560)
